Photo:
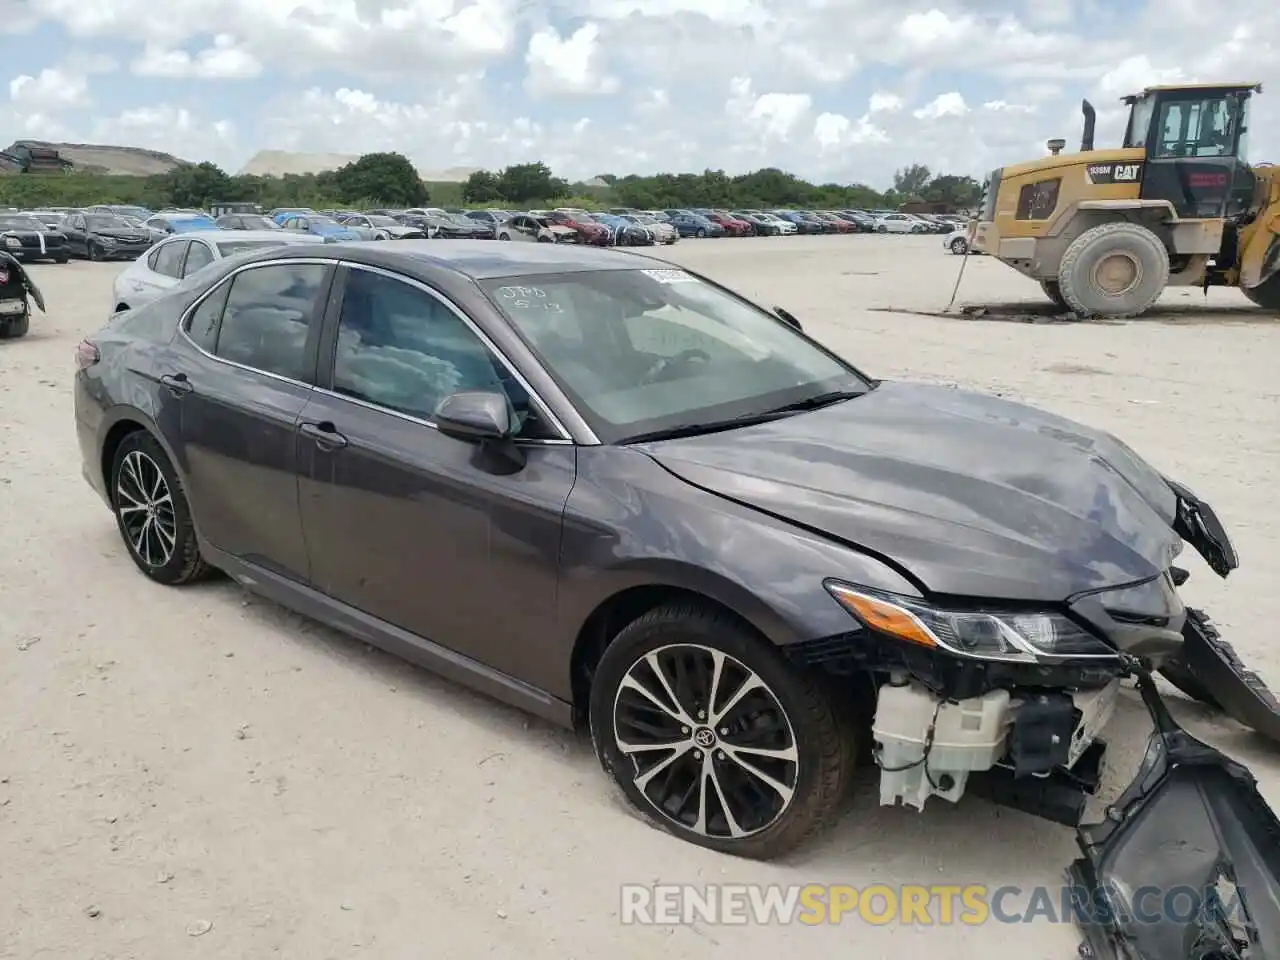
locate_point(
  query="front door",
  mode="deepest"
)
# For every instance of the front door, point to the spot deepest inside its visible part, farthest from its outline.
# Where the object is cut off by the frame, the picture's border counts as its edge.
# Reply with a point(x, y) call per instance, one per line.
point(404, 523)
point(239, 382)
point(1192, 151)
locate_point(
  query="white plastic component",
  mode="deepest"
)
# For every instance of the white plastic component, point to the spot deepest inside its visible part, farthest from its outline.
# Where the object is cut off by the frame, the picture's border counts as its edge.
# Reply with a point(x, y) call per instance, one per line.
point(967, 735)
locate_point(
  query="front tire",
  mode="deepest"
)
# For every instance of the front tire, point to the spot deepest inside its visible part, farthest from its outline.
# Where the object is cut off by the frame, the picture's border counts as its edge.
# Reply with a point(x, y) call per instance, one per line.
point(712, 736)
point(1113, 270)
point(92, 252)
point(959, 246)
point(1265, 294)
point(152, 513)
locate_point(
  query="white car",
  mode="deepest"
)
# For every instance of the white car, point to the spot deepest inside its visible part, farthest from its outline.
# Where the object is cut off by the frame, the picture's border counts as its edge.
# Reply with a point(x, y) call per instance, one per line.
point(957, 241)
point(785, 227)
point(899, 223)
point(166, 264)
point(381, 227)
point(661, 232)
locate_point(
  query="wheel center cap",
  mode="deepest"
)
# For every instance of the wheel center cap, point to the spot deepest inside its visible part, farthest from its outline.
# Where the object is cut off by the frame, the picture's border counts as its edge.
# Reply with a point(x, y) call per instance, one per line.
point(704, 737)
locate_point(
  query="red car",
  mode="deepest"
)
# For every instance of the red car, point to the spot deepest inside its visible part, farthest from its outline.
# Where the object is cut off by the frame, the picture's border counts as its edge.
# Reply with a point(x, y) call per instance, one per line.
point(841, 225)
point(589, 231)
point(733, 227)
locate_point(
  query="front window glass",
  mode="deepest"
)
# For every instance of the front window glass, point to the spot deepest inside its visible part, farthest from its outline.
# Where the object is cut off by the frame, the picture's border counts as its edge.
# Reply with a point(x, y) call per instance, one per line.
point(1196, 128)
point(645, 350)
point(100, 222)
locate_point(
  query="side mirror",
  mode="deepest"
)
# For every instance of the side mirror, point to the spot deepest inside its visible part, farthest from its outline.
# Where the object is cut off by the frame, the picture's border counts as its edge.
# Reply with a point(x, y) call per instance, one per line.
point(788, 318)
point(475, 416)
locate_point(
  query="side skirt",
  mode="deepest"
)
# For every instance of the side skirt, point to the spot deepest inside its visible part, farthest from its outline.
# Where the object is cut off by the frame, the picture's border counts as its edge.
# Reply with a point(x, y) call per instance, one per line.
point(386, 636)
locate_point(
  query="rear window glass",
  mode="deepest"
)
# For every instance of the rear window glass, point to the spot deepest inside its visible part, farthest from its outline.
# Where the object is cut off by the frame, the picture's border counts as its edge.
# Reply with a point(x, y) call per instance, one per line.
point(229, 248)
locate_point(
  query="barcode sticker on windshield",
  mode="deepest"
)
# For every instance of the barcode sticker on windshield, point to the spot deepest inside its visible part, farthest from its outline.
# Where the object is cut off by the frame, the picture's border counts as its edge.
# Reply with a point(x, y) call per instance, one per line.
point(670, 276)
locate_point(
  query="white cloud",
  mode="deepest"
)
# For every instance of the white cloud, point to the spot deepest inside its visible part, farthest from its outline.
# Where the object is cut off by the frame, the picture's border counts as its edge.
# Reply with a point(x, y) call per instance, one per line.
point(51, 89)
point(224, 60)
point(843, 90)
point(944, 105)
point(572, 65)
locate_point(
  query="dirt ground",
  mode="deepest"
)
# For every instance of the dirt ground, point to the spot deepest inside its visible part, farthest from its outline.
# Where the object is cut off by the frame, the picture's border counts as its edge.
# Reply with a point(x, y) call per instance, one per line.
point(196, 773)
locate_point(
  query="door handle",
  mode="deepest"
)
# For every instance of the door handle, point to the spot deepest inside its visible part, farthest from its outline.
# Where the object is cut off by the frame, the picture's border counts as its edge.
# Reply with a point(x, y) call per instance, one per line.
point(177, 383)
point(324, 434)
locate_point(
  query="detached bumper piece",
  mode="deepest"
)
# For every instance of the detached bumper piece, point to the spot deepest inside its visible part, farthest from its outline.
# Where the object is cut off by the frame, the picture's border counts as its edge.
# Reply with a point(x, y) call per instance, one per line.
point(1187, 864)
point(1223, 679)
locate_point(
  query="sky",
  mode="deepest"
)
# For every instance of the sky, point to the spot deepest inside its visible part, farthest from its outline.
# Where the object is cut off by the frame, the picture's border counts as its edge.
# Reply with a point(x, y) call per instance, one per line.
point(833, 90)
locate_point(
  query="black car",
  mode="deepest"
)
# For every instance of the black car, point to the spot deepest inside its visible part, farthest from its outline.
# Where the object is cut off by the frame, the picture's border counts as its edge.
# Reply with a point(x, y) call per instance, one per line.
point(26, 238)
point(17, 292)
point(618, 495)
point(101, 236)
point(763, 226)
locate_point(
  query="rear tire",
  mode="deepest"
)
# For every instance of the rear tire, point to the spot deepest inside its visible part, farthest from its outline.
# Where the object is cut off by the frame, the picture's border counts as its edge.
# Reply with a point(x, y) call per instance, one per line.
point(785, 712)
point(1114, 270)
point(61, 258)
point(1266, 294)
point(13, 329)
point(882, 229)
point(152, 513)
point(1054, 292)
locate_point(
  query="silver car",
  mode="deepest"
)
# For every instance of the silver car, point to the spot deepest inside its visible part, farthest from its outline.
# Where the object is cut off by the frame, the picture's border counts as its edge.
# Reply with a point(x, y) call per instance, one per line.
point(175, 258)
point(527, 227)
point(381, 227)
point(661, 232)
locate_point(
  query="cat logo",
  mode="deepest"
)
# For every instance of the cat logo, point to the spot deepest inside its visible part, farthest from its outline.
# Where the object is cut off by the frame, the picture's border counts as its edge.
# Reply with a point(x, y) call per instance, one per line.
point(1103, 173)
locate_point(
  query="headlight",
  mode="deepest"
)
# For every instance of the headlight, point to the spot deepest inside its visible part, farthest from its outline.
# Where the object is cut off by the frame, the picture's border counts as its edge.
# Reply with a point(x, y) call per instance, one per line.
point(1009, 636)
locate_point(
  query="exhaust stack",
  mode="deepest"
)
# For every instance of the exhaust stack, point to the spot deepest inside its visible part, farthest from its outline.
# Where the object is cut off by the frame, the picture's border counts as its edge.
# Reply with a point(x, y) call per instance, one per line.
point(1090, 118)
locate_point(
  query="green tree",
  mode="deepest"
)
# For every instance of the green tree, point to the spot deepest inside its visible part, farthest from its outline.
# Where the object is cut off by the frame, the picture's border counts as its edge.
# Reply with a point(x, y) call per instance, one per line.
point(383, 177)
point(523, 183)
point(482, 187)
point(960, 192)
point(910, 182)
point(196, 185)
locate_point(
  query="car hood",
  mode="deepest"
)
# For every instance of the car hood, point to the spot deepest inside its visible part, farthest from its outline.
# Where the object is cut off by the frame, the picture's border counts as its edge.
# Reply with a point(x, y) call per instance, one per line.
point(122, 233)
point(971, 494)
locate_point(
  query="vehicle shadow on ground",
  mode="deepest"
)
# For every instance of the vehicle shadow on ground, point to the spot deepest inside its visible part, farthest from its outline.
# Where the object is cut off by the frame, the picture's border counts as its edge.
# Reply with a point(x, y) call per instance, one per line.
point(1036, 312)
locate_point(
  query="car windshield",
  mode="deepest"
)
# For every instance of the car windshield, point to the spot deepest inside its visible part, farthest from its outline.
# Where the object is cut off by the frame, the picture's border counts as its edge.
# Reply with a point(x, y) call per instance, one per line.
point(544, 222)
point(259, 223)
point(229, 248)
point(20, 223)
point(103, 222)
point(639, 351)
point(381, 221)
point(326, 221)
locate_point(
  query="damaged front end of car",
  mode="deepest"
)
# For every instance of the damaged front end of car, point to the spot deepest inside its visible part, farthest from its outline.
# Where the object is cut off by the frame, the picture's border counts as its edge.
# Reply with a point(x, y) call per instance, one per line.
point(1007, 702)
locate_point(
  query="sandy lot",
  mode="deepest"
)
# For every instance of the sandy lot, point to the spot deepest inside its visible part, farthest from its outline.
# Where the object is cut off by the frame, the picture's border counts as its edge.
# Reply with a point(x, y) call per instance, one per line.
point(174, 759)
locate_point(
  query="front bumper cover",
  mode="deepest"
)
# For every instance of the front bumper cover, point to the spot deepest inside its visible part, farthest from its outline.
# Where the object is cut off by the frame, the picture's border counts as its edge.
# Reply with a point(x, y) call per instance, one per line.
point(1186, 865)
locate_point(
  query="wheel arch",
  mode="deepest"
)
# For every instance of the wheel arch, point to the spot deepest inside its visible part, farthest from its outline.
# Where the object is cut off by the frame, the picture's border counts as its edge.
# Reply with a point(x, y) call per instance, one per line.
point(628, 603)
point(120, 423)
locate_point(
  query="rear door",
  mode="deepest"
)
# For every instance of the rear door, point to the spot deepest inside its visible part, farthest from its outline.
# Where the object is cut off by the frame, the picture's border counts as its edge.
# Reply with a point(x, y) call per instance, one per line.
point(240, 383)
point(418, 529)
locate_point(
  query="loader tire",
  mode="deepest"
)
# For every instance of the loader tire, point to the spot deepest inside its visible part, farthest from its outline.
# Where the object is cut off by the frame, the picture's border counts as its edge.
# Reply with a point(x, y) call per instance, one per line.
point(1054, 293)
point(1113, 270)
point(1266, 294)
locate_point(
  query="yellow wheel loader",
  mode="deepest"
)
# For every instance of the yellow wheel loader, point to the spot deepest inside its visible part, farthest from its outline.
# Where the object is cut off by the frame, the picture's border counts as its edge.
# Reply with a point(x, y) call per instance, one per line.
point(1105, 231)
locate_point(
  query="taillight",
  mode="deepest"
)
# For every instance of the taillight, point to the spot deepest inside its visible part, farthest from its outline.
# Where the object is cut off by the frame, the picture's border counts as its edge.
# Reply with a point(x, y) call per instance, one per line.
point(87, 354)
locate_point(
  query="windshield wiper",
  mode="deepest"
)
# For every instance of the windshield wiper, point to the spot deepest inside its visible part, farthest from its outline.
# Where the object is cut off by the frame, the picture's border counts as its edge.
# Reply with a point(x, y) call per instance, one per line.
point(817, 401)
point(746, 420)
point(697, 429)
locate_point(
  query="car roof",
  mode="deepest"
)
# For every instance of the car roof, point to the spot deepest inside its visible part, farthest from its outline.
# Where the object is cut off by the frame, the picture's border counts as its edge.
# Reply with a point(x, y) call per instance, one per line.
point(478, 259)
point(284, 235)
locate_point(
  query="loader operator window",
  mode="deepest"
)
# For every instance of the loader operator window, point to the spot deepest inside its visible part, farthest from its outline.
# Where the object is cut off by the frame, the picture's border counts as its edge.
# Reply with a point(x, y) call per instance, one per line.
point(1196, 128)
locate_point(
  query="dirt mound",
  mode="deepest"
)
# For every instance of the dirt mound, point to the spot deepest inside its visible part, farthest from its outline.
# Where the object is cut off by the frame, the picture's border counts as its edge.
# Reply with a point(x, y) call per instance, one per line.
point(102, 158)
point(278, 163)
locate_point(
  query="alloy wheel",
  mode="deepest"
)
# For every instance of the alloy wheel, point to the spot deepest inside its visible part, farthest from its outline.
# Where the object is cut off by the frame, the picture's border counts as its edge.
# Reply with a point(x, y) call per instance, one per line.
point(144, 504)
point(712, 748)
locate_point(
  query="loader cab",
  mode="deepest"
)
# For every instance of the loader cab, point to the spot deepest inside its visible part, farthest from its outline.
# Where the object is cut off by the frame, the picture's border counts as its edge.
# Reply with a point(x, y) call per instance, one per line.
point(1195, 138)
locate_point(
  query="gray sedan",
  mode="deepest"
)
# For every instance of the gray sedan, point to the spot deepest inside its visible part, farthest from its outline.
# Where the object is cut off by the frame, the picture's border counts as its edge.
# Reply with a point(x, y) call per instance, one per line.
point(618, 495)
